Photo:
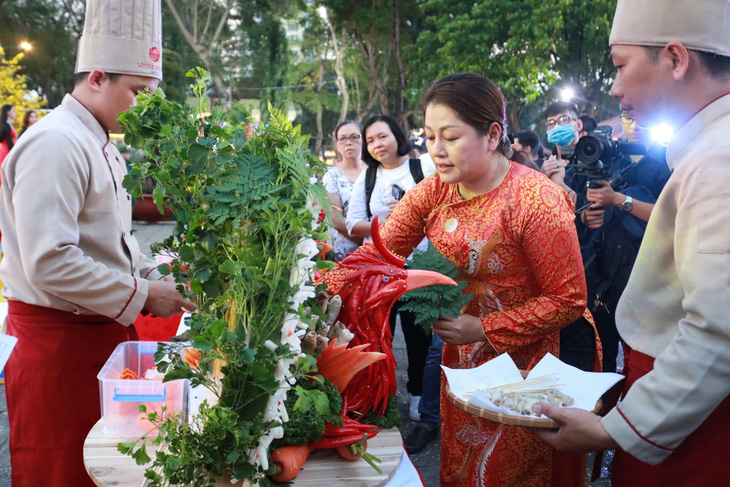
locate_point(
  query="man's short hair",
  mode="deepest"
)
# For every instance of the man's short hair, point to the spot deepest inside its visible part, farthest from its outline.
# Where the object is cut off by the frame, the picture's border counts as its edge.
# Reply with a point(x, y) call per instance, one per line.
point(81, 77)
point(530, 138)
point(589, 123)
point(715, 65)
point(561, 107)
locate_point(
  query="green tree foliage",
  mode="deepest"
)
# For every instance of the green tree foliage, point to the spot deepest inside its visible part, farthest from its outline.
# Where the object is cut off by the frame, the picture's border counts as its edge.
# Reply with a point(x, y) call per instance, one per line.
point(13, 89)
point(53, 28)
point(264, 56)
point(204, 26)
point(525, 46)
point(381, 29)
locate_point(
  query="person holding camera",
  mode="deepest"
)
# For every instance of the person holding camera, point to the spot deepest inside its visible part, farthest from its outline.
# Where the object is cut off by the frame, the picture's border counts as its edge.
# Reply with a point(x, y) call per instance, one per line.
point(612, 227)
point(673, 61)
point(563, 130)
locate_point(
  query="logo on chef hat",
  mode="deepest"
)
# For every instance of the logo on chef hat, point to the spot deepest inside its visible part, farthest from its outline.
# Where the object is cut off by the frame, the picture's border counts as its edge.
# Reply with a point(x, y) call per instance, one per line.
point(154, 54)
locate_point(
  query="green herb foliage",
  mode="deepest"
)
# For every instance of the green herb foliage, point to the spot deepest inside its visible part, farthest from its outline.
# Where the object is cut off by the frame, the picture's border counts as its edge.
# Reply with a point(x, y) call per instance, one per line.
point(243, 199)
point(313, 403)
point(390, 419)
point(428, 303)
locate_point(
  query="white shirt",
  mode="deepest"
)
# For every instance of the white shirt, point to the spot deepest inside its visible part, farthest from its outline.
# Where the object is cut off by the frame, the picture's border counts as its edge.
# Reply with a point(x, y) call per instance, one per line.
point(337, 183)
point(676, 306)
point(385, 180)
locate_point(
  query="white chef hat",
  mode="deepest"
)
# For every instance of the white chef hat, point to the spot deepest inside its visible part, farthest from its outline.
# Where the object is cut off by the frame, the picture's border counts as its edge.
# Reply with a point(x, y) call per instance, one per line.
point(700, 25)
point(122, 36)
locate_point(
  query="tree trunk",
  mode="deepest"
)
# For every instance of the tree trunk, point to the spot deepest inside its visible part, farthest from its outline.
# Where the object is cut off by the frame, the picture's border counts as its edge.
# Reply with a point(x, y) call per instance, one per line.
point(369, 52)
point(340, 82)
point(198, 42)
point(320, 80)
point(401, 83)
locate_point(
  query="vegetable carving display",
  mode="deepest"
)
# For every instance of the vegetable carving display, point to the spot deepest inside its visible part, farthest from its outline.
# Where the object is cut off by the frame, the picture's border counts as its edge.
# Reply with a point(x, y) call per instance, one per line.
point(287, 369)
point(370, 291)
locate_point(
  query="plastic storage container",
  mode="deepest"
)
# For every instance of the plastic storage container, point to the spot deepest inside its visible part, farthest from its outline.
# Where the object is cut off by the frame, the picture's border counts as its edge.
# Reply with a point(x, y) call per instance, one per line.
point(120, 398)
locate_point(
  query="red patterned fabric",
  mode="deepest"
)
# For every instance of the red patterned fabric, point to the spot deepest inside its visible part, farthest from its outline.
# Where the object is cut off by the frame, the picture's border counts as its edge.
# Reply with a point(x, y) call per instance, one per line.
point(518, 248)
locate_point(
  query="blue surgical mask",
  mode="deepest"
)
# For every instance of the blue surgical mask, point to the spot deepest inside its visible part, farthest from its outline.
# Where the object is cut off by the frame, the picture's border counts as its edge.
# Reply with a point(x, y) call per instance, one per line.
point(562, 135)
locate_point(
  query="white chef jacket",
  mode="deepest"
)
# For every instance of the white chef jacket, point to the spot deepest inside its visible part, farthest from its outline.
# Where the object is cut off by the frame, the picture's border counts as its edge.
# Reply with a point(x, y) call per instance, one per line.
point(66, 221)
point(676, 306)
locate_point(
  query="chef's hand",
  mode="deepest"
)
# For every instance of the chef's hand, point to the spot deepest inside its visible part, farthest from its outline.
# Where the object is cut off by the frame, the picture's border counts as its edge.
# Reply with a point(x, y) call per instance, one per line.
point(164, 300)
point(580, 430)
point(461, 330)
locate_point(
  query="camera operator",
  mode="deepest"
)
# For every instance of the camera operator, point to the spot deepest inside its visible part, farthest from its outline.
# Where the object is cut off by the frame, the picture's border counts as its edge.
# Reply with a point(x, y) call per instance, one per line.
point(563, 129)
point(611, 230)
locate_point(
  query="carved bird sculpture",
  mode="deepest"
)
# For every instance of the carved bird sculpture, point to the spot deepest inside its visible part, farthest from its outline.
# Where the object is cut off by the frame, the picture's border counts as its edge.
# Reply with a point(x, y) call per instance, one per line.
point(368, 291)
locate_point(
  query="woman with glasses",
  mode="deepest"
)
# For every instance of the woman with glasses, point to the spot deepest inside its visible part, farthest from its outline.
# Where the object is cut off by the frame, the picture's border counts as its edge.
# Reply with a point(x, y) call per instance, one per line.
point(339, 181)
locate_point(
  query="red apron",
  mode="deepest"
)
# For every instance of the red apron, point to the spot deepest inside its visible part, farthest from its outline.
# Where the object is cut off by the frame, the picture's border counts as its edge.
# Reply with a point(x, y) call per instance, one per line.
point(52, 391)
point(697, 461)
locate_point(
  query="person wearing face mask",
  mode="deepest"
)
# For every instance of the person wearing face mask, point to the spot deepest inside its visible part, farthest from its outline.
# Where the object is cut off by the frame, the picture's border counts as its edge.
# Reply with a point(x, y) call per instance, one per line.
point(563, 129)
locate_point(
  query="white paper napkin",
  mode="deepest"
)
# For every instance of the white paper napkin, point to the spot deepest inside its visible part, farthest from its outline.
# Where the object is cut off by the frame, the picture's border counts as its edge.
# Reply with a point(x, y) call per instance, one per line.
point(585, 387)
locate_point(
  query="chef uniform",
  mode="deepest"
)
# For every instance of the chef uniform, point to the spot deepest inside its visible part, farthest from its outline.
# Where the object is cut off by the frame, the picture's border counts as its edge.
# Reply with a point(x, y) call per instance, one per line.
point(74, 276)
point(675, 312)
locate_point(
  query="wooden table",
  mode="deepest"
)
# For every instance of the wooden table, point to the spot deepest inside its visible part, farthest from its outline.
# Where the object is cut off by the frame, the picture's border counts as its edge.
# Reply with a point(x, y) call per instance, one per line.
point(107, 467)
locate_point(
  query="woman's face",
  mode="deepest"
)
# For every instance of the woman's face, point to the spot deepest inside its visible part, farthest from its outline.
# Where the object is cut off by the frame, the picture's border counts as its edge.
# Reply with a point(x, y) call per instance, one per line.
point(459, 153)
point(32, 118)
point(349, 141)
point(381, 143)
point(12, 114)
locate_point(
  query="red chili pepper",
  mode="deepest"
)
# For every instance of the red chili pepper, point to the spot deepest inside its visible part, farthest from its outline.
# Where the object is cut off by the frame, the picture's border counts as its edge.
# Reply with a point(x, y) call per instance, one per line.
point(339, 441)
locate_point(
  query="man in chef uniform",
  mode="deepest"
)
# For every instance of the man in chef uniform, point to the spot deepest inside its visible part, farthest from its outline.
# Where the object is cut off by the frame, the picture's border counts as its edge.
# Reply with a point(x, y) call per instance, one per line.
point(74, 276)
point(673, 61)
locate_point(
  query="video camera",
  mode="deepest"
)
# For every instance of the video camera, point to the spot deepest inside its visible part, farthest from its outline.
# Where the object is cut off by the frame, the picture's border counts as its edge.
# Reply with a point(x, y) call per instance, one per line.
point(598, 156)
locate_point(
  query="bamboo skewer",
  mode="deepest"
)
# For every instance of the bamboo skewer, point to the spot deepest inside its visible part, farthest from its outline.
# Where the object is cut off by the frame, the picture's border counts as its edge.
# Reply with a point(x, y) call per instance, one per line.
point(527, 386)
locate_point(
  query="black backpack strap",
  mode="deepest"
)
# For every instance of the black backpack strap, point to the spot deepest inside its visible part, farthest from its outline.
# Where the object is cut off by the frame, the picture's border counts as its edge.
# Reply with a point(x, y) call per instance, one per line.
point(416, 170)
point(370, 175)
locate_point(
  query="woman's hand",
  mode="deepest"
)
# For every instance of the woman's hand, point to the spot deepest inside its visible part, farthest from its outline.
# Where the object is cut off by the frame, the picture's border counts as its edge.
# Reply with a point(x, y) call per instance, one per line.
point(462, 330)
point(391, 205)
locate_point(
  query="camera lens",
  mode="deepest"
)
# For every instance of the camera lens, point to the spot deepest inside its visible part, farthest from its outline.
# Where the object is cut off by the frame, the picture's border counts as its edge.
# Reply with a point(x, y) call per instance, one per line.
point(589, 149)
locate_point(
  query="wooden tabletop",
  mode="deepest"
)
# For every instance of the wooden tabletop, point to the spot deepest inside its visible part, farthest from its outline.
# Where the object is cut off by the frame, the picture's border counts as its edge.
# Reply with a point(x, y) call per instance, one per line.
point(107, 467)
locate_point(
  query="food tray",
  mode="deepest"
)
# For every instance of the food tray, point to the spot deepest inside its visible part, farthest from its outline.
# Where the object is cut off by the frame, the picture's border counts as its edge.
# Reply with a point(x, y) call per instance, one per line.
point(509, 419)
